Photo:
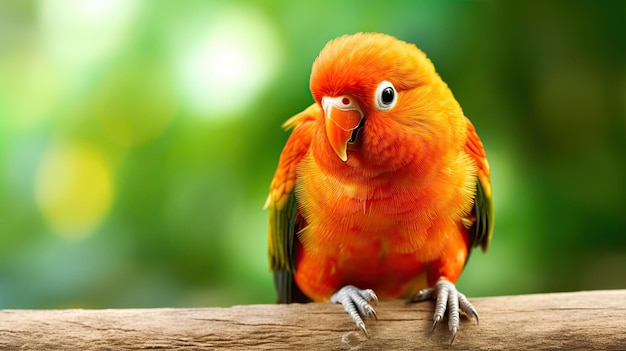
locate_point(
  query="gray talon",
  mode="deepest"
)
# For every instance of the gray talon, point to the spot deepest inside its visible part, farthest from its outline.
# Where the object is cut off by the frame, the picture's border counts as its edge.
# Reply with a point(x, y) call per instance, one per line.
point(447, 298)
point(361, 326)
point(356, 302)
point(435, 322)
point(454, 330)
point(467, 307)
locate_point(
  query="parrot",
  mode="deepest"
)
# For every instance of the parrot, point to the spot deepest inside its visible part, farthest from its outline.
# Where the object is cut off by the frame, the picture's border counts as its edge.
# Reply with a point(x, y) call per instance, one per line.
point(382, 188)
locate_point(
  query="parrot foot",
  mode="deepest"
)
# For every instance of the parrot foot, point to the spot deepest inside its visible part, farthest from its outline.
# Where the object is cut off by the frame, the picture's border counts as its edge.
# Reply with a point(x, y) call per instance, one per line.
point(447, 297)
point(356, 302)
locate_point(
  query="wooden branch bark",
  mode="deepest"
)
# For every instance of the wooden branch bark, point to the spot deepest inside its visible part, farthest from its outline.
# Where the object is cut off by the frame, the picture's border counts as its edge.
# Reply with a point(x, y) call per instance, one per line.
point(569, 321)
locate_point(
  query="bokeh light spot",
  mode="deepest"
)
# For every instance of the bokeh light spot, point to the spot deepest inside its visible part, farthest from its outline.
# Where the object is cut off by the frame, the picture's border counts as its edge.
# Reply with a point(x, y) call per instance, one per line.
point(79, 33)
point(18, 87)
point(221, 63)
point(74, 189)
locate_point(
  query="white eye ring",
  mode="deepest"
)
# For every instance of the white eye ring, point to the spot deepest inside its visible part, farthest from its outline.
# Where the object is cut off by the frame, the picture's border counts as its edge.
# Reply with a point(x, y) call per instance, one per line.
point(386, 96)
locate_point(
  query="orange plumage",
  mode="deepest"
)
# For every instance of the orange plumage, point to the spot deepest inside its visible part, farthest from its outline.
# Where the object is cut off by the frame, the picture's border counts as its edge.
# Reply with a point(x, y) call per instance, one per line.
point(383, 183)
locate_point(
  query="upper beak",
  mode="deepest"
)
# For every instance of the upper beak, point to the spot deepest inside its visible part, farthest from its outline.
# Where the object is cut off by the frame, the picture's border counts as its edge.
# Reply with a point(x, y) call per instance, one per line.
point(342, 116)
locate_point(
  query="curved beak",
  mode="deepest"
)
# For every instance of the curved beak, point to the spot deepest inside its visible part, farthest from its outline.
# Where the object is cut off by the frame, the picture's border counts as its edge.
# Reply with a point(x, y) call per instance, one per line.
point(342, 116)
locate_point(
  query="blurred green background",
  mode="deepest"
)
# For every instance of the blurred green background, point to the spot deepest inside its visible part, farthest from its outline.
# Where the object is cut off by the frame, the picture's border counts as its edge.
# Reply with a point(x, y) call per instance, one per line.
point(138, 139)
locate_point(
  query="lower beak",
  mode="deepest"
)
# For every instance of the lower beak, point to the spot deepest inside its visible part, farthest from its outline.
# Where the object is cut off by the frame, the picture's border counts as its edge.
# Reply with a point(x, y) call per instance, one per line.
point(340, 124)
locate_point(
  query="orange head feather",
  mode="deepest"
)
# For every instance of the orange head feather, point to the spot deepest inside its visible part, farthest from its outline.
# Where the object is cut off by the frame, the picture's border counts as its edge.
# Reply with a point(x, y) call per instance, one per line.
point(351, 80)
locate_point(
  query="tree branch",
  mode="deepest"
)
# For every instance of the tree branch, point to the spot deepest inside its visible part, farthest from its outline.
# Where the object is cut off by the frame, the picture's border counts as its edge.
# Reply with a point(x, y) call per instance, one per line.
point(581, 320)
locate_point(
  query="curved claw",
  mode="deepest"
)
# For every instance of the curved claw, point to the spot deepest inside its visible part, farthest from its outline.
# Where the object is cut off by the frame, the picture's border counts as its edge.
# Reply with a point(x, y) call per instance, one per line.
point(423, 295)
point(447, 298)
point(467, 307)
point(436, 320)
point(453, 330)
point(356, 302)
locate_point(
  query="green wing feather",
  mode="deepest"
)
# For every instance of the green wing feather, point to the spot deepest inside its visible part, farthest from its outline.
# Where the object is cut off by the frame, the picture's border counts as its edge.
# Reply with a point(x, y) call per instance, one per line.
point(481, 230)
point(284, 218)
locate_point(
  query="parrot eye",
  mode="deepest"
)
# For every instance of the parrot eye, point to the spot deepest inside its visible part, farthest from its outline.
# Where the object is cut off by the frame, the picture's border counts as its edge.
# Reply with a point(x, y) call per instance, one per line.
point(386, 96)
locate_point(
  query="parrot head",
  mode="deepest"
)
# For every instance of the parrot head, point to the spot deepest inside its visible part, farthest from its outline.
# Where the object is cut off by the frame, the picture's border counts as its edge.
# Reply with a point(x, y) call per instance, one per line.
point(367, 84)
